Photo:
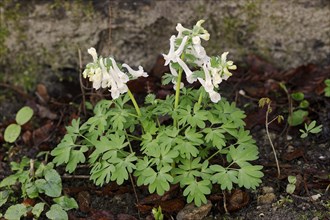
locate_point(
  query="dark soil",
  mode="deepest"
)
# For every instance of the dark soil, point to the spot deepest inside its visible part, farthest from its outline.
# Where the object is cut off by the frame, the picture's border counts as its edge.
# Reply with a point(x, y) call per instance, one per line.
point(307, 159)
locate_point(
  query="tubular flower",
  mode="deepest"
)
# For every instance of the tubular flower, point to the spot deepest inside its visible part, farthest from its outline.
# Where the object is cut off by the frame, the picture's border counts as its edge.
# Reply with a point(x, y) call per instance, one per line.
point(208, 85)
point(227, 65)
point(105, 73)
point(174, 57)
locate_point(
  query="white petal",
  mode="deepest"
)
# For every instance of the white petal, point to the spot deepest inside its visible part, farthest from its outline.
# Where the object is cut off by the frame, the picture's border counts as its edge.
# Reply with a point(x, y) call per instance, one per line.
point(208, 86)
point(114, 93)
point(196, 40)
point(214, 96)
point(205, 36)
point(188, 72)
point(224, 57)
point(179, 51)
point(135, 73)
point(173, 71)
point(199, 23)
point(92, 52)
point(122, 76)
point(180, 29)
point(169, 57)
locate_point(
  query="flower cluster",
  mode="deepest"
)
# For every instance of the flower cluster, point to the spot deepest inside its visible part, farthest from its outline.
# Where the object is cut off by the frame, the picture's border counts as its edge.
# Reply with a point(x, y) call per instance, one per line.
point(105, 73)
point(186, 48)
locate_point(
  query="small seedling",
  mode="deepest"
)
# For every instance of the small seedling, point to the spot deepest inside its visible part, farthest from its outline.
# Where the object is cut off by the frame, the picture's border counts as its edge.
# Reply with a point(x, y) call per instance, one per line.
point(157, 213)
point(36, 180)
point(291, 187)
point(297, 114)
point(13, 131)
point(311, 128)
point(283, 201)
point(279, 118)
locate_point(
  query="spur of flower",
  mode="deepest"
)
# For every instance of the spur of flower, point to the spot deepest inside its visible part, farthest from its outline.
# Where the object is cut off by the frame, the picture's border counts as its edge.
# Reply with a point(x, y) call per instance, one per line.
point(186, 50)
point(106, 73)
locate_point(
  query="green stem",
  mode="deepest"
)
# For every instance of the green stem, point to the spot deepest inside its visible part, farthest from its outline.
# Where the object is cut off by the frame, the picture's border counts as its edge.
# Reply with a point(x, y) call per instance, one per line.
point(177, 91)
point(200, 97)
point(137, 109)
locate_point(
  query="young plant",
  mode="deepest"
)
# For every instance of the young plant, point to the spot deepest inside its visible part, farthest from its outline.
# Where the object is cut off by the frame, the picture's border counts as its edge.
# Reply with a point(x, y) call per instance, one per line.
point(279, 118)
point(37, 180)
point(291, 187)
point(298, 114)
point(157, 213)
point(311, 128)
point(13, 131)
point(184, 139)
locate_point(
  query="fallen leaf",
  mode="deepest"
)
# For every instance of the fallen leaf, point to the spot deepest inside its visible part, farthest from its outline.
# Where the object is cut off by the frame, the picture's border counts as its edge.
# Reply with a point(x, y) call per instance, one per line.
point(42, 134)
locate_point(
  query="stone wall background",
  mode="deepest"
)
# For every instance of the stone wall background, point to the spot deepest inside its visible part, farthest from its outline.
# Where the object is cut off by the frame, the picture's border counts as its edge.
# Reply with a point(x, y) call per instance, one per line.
point(34, 34)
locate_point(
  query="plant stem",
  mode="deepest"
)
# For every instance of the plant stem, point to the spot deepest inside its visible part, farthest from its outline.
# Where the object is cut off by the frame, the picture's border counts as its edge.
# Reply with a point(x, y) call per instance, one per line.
point(271, 143)
point(177, 91)
point(137, 109)
point(200, 98)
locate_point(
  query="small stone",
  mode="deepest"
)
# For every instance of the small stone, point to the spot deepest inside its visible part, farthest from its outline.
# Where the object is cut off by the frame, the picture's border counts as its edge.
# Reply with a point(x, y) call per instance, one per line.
point(316, 197)
point(267, 189)
point(191, 212)
point(266, 199)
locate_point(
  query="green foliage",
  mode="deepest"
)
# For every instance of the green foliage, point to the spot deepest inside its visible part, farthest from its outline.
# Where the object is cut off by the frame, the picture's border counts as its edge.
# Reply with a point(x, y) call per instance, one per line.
point(36, 179)
point(13, 131)
point(161, 154)
point(157, 213)
point(311, 128)
point(24, 115)
point(290, 188)
point(297, 117)
point(299, 113)
point(327, 88)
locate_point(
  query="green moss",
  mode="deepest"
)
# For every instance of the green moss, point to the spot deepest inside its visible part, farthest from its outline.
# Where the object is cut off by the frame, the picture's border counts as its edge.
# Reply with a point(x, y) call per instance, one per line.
point(22, 67)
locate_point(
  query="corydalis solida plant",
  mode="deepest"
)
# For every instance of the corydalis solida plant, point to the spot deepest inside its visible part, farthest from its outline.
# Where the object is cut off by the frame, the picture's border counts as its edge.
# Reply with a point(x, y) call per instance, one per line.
point(183, 149)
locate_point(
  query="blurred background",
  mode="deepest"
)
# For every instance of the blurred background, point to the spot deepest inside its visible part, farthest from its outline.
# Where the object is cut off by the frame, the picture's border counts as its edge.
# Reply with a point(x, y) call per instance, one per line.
point(43, 38)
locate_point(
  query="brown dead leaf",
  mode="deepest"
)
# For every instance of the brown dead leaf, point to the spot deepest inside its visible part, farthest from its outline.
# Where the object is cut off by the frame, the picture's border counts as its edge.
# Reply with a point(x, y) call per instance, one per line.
point(237, 200)
point(26, 137)
point(171, 206)
point(84, 201)
point(44, 112)
point(144, 208)
point(101, 215)
point(42, 134)
point(294, 154)
point(42, 93)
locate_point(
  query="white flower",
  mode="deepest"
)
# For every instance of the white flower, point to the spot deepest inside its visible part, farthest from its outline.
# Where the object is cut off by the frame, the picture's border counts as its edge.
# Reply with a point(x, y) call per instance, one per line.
point(173, 55)
point(135, 73)
point(92, 52)
point(196, 40)
point(122, 76)
point(96, 79)
point(207, 82)
point(209, 85)
point(181, 29)
point(216, 77)
point(227, 65)
point(214, 96)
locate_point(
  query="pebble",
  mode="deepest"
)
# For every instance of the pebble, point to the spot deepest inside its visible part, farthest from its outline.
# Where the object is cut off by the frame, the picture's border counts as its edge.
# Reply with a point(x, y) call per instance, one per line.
point(192, 212)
